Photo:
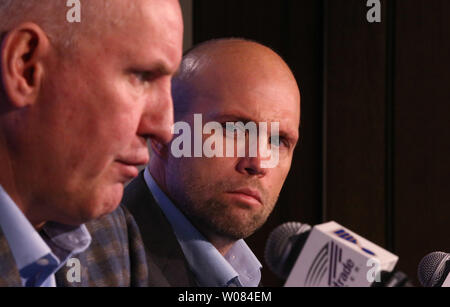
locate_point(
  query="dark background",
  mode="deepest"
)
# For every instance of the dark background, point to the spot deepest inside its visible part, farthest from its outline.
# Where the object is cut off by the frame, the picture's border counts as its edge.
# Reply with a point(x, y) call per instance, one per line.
point(375, 150)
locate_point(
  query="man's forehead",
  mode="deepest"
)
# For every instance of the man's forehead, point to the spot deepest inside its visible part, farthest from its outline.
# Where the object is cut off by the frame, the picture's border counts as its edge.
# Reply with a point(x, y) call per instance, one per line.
point(216, 108)
point(152, 35)
point(270, 103)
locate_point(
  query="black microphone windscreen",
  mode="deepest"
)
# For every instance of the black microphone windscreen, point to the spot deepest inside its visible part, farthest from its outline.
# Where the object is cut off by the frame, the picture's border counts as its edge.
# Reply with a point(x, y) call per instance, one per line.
point(281, 245)
point(433, 269)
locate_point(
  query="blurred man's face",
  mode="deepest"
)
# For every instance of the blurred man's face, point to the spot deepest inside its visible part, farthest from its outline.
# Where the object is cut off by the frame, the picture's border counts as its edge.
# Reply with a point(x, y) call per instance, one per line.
point(98, 106)
point(233, 197)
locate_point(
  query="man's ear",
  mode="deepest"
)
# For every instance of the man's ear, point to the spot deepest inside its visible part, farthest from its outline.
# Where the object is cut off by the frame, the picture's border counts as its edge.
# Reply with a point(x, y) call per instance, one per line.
point(160, 150)
point(22, 52)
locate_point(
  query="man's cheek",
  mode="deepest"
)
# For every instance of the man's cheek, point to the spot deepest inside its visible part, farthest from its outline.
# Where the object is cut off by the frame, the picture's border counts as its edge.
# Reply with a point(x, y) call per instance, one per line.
point(213, 169)
point(119, 135)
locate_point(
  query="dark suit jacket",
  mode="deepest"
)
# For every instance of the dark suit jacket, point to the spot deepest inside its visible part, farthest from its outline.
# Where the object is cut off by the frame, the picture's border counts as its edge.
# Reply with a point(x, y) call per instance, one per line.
point(167, 264)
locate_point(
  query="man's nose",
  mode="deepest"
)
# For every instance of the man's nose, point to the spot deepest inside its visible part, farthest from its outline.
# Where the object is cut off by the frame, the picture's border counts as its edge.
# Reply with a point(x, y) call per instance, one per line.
point(251, 166)
point(157, 118)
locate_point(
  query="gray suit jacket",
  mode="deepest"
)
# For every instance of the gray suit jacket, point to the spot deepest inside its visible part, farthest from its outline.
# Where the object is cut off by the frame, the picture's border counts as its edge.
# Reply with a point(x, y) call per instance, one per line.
point(166, 262)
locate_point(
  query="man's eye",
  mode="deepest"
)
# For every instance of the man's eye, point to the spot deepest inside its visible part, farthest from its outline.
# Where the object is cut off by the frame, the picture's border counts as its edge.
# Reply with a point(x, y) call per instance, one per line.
point(231, 129)
point(144, 76)
point(275, 141)
point(278, 141)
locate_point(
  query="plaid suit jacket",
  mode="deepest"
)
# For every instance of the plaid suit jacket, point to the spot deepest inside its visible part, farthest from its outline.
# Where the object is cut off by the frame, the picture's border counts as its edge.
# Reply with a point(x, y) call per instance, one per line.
point(115, 258)
point(9, 274)
point(167, 264)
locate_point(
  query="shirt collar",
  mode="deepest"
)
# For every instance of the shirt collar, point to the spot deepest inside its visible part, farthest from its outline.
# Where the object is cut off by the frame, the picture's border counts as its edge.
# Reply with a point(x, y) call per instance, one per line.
point(32, 251)
point(239, 267)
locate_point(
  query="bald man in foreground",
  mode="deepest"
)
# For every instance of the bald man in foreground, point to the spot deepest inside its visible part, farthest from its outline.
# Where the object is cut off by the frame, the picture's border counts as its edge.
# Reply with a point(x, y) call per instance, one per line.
point(77, 104)
point(194, 209)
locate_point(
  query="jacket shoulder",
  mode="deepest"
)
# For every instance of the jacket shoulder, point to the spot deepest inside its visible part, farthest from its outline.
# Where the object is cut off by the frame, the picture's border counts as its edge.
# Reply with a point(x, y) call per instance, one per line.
point(115, 257)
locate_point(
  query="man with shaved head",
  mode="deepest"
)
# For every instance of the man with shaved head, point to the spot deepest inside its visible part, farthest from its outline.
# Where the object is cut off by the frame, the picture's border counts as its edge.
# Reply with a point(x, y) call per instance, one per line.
point(77, 104)
point(195, 210)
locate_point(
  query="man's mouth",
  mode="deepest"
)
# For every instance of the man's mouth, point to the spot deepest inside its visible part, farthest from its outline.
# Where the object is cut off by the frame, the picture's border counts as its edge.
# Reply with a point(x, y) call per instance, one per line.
point(129, 165)
point(248, 195)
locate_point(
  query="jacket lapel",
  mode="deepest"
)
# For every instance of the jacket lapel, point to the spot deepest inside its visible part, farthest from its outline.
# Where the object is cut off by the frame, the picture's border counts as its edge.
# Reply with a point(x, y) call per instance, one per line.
point(161, 245)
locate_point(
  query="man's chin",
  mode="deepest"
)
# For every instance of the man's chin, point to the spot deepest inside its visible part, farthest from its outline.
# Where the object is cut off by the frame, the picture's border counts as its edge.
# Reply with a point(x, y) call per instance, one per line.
point(104, 203)
point(111, 199)
point(234, 227)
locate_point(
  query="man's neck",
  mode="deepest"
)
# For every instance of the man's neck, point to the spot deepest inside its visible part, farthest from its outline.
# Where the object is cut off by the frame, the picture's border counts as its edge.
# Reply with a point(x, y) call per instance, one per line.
point(7, 181)
point(7, 175)
point(38, 225)
point(156, 170)
point(223, 245)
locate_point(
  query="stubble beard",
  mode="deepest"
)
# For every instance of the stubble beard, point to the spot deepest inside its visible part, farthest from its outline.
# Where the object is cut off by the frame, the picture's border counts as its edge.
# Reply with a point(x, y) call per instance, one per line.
point(221, 217)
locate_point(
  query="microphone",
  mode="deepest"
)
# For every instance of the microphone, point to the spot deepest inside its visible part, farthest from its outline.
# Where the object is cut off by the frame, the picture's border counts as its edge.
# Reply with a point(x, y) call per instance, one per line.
point(434, 270)
point(328, 255)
